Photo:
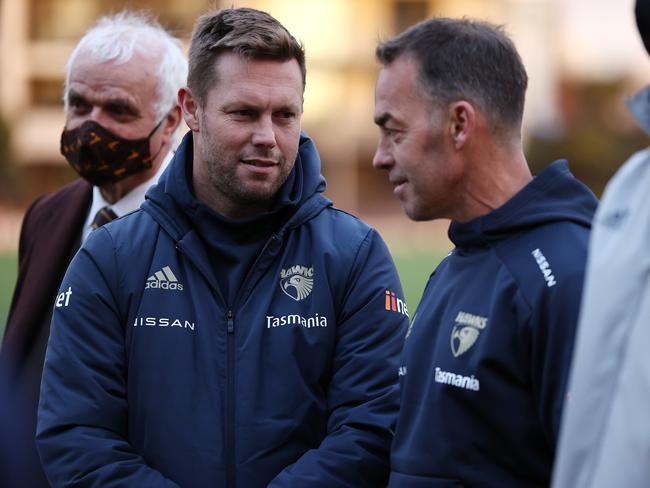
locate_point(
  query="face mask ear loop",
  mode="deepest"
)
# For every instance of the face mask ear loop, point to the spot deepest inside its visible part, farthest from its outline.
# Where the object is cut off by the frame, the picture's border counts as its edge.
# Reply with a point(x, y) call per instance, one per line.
point(152, 133)
point(157, 126)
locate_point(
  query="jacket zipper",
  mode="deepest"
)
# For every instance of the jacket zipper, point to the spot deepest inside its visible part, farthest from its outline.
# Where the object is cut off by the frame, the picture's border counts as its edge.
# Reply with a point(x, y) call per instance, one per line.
point(230, 403)
point(230, 372)
point(230, 358)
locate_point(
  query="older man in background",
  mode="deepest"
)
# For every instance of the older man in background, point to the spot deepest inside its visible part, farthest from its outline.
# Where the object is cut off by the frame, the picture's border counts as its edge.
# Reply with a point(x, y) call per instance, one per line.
point(121, 114)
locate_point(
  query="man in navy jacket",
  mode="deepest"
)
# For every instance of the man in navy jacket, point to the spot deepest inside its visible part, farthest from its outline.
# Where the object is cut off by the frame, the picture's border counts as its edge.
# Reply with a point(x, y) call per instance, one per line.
point(485, 362)
point(236, 330)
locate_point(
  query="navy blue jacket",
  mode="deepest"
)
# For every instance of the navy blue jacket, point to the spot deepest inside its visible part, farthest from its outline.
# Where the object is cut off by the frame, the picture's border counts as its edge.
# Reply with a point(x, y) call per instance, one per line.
point(485, 362)
point(151, 380)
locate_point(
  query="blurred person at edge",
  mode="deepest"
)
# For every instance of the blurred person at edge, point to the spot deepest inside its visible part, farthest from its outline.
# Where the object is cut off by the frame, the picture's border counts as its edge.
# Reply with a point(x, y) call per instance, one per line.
point(487, 355)
point(237, 330)
point(121, 114)
point(605, 434)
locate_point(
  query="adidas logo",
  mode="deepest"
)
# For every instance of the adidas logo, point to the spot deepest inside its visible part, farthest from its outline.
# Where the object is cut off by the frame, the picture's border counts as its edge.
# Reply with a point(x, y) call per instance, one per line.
point(164, 279)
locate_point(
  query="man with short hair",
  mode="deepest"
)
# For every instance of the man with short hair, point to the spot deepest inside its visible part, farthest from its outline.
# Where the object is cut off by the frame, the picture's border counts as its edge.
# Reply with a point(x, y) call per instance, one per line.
point(237, 330)
point(485, 362)
point(121, 114)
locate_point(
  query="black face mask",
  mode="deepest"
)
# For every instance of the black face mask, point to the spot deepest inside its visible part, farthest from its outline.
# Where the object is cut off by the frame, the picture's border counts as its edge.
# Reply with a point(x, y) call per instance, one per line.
point(101, 157)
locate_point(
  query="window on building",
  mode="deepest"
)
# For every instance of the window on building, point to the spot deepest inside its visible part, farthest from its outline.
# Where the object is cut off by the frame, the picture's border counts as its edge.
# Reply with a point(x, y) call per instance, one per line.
point(69, 19)
point(46, 92)
point(409, 12)
point(60, 19)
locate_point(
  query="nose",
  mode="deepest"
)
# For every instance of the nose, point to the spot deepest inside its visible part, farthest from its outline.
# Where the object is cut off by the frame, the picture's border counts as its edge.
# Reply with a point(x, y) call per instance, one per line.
point(383, 158)
point(97, 114)
point(74, 119)
point(264, 134)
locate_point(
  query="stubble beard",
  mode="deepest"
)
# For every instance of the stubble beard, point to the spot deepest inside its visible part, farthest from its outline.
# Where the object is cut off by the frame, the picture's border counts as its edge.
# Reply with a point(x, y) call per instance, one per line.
point(225, 181)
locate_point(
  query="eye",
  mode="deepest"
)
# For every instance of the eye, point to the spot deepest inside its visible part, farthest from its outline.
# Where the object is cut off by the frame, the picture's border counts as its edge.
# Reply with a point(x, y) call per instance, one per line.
point(390, 132)
point(121, 110)
point(286, 115)
point(117, 110)
point(78, 105)
point(243, 113)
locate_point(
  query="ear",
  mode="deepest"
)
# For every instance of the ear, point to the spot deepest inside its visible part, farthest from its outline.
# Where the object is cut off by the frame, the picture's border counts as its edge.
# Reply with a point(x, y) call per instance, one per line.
point(190, 107)
point(462, 118)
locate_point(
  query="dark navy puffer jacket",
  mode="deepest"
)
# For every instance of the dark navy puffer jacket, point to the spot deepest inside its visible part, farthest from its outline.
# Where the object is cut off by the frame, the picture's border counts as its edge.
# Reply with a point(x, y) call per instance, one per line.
point(151, 380)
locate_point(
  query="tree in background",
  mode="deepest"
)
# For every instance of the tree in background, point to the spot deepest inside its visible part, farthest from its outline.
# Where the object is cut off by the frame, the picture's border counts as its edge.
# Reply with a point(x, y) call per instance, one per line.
point(9, 180)
point(598, 133)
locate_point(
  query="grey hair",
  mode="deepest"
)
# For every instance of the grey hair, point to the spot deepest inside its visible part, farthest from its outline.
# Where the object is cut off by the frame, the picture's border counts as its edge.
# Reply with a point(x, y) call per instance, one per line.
point(117, 38)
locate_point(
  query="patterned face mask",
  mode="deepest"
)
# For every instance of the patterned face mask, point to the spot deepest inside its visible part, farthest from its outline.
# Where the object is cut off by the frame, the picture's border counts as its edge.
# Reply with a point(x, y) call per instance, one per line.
point(101, 157)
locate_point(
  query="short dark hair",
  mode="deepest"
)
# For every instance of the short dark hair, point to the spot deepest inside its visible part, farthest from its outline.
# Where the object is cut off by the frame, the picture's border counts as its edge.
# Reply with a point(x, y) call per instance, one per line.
point(465, 59)
point(245, 31)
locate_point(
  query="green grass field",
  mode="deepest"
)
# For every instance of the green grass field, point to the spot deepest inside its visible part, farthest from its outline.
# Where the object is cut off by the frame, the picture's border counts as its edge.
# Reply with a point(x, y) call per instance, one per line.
point(8, 271)
point(414, 269)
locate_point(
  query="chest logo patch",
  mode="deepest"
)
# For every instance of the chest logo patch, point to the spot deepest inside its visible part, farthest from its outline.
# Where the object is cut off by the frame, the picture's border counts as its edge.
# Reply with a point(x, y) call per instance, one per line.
point(297, 282)
point(465, 332)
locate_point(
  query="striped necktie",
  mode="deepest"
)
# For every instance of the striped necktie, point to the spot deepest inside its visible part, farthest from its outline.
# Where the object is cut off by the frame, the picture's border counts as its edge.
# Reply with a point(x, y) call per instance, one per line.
point(103, 216)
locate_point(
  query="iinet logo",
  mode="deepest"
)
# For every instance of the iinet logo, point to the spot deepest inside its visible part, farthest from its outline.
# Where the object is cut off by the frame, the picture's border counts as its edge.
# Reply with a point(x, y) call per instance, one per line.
point(394, 304)
point(164, 279)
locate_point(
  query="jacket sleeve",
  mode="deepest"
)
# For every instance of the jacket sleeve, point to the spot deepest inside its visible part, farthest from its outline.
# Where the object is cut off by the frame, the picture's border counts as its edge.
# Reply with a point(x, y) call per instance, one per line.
point(82, 415)
point(554, 322)
point(605, 434)
point(363, 391)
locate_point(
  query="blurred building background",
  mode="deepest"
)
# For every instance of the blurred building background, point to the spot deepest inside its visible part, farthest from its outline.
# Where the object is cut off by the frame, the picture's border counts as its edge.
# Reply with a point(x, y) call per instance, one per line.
point(582, 56)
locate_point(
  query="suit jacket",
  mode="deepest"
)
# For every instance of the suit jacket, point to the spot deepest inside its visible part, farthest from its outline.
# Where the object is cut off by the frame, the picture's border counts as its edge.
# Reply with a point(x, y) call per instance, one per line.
point(50, 235)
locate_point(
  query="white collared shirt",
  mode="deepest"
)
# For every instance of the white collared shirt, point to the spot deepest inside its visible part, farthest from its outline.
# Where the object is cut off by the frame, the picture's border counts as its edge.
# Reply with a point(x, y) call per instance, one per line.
point(128, 203)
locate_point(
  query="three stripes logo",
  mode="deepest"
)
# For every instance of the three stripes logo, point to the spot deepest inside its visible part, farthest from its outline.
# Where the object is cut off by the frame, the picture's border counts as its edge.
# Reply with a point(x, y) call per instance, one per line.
point(164, 279)
point(395, 304)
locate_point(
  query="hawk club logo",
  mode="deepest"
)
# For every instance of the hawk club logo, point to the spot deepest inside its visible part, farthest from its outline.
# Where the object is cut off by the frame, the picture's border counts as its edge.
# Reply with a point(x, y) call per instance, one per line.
point(297, 282)
point(466, 331)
